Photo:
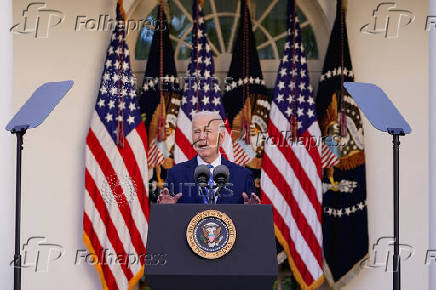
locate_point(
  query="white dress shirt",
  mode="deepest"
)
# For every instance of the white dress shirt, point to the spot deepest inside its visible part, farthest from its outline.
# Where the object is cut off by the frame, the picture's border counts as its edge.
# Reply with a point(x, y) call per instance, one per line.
point(214, 164)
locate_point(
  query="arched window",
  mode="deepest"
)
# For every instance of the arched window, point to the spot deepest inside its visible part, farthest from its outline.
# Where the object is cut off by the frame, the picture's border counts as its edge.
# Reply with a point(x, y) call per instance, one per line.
point(269, 24)
point(269, 19)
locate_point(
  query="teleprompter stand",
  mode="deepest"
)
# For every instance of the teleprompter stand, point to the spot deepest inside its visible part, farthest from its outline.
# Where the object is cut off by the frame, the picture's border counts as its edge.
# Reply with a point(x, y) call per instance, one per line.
point(31, 115)
point(383, 116)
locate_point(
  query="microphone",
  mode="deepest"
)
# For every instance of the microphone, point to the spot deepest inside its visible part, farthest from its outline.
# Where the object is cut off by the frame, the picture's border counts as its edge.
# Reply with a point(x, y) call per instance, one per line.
point(221, 175)
point(202, 175)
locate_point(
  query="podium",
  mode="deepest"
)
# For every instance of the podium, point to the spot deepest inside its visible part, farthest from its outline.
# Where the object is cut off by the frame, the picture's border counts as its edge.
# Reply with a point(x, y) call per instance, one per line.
point(170, 262)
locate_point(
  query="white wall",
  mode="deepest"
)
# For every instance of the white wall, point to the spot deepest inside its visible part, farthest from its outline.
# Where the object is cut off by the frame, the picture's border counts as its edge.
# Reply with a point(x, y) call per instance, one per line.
point(7, 164)
point(53, 157)
point(54, 152)
point(400, 67)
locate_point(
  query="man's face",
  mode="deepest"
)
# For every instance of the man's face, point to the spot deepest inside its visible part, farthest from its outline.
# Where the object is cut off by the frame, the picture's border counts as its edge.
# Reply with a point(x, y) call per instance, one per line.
point(206, 137)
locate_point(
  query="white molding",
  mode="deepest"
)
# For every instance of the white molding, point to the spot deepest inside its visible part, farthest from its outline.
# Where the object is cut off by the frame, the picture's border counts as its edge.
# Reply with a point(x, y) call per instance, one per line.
point(432, 141)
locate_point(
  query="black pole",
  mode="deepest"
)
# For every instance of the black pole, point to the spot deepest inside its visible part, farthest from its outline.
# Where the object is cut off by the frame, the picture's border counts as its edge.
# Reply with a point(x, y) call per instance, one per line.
point(396, 259)
point(17, 255)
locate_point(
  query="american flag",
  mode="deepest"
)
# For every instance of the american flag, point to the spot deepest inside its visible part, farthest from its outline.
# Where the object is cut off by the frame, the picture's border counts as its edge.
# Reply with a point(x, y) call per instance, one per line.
point(245, 100)
point(201, 92)
point(329, 154)
point(345, 218)
point(160, 98)
point(291, 165)
point(115, 218)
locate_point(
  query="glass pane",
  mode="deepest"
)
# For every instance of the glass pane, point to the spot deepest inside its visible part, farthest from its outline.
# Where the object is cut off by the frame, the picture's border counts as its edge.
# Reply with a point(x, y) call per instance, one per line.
point(280, 46)
point(301, 16)
point(259, 7)
point(309, 42)
point(206, 7)
point(260, 37)
point(174, 44)
point(185, 3)
point(143, 43)
point(211, 33)
point(266, 52)
point(184, 53)
point(179, 21)
point(226, 6)
point(226, 28)
point(275, 22)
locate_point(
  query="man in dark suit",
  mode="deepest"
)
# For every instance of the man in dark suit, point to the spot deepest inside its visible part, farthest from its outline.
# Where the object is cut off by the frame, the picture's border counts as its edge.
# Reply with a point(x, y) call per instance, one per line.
point(207, 137)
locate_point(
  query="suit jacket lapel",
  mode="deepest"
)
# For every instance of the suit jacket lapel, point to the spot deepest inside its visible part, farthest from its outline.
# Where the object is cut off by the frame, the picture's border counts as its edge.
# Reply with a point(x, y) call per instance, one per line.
point(192, 164)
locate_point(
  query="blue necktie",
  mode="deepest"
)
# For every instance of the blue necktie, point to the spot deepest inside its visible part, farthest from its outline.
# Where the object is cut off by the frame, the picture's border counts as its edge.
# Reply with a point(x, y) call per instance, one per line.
point(209, 191)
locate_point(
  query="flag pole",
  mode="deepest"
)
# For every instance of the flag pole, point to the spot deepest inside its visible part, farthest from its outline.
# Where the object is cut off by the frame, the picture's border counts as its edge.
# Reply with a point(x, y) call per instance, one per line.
point(123, 12)
point(293, 118)
point(396, 133)
point(17, 256)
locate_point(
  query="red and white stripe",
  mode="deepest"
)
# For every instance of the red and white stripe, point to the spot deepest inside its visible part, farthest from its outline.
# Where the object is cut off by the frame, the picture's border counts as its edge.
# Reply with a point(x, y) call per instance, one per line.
point(328, 159)
point(227, 146)
point(155, 156)
point(183, 150)
point(116, 201)
point(241, 157)
point(291, 182)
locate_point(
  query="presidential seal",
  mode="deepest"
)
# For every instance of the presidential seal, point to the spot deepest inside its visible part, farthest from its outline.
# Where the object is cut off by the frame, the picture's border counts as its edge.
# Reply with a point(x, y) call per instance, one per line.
point(211, 234)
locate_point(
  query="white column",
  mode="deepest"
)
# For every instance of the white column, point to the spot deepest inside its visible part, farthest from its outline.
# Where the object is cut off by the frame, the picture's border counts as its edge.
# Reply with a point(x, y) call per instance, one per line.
point(432, 147)
point(7, 152)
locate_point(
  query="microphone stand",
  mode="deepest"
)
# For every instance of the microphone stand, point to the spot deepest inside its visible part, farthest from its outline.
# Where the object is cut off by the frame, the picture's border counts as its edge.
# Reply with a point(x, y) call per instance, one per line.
point(212, 197)
point(218, 191)
point(203, 187)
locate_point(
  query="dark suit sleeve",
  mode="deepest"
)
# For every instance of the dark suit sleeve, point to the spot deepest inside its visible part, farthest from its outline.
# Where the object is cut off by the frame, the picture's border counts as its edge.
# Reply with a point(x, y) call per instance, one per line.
point(249, 183)
point(169, 182)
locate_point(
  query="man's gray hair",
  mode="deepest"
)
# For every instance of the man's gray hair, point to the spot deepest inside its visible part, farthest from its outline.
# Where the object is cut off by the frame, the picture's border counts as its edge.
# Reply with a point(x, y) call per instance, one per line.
point(214, 116)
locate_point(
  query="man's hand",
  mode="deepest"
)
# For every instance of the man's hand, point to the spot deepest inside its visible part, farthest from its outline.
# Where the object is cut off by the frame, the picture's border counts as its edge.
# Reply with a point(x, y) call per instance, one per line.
point(166, 198)
point(253, 199)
